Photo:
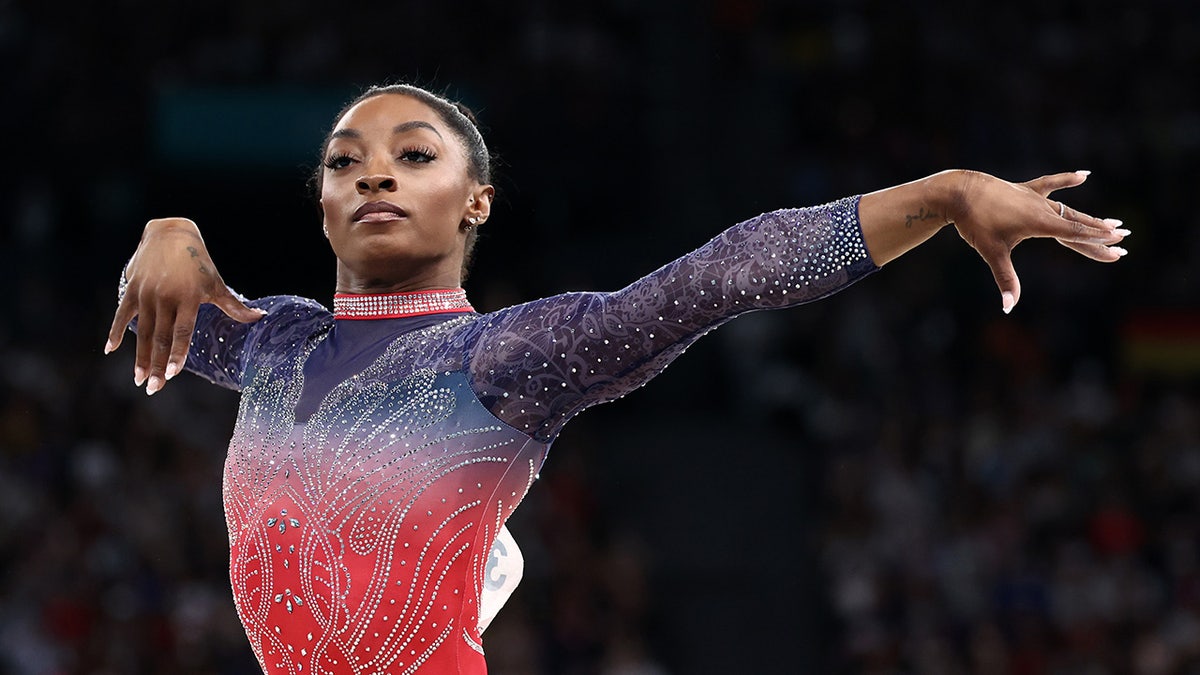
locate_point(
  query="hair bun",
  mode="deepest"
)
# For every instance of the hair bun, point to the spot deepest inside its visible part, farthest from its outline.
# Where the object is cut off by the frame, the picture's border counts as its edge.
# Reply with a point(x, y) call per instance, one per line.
point(467, 113)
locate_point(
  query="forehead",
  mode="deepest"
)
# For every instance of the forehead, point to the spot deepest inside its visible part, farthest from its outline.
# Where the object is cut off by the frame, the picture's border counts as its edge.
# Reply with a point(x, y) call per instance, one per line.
point(386, 111)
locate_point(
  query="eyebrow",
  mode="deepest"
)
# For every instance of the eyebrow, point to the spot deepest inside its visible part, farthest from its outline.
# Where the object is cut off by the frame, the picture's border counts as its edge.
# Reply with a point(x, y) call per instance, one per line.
point(398, 129)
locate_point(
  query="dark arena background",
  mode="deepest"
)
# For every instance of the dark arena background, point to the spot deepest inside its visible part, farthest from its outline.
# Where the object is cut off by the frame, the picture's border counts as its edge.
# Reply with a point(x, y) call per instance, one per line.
point(900, 479)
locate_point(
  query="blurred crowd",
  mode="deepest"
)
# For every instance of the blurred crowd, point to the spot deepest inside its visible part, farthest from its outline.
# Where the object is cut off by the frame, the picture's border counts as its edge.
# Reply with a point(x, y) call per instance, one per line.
point(896, 480)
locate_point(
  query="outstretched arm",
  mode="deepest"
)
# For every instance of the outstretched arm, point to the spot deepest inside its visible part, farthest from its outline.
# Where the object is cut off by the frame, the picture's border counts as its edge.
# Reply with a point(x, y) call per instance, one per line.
point(167, 279)
point(991, 214)
point(538, 364)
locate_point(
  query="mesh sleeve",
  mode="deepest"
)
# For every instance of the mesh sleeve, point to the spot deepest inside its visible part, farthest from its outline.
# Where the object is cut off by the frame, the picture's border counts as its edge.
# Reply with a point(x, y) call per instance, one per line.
point(537, 365)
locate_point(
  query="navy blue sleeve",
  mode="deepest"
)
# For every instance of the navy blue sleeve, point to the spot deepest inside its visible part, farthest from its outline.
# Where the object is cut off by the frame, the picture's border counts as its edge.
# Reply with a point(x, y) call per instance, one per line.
point(538, 364)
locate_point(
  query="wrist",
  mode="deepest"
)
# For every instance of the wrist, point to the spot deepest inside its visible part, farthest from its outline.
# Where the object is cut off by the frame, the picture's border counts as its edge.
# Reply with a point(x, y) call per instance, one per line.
point(170, 226)
point(946, 193)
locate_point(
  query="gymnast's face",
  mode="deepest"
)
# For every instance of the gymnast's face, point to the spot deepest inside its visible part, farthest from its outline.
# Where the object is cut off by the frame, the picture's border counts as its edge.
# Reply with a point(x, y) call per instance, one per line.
point(396, 196)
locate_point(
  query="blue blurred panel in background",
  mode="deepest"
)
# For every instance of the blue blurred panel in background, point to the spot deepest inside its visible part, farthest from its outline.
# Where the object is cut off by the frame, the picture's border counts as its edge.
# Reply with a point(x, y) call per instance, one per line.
point(243, 128)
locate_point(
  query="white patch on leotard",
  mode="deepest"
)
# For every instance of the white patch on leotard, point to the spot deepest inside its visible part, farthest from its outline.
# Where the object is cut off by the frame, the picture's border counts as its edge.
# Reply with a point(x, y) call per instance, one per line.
point(504, 568)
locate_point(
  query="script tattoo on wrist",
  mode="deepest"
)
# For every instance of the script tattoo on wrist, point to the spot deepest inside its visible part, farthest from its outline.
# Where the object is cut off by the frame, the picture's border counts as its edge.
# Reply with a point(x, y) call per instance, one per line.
point(196, 254)
point(919, 216)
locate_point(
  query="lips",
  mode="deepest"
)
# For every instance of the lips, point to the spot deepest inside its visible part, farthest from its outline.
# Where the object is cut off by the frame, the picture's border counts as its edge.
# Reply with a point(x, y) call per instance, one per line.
point(375, 212)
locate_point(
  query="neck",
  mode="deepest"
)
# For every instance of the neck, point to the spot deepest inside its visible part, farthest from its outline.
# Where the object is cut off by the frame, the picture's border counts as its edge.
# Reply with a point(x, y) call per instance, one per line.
point(393, 278)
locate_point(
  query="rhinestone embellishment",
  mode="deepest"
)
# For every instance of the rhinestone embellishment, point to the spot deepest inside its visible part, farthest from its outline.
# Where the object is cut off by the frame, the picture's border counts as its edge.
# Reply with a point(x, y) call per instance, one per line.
point(399, 305)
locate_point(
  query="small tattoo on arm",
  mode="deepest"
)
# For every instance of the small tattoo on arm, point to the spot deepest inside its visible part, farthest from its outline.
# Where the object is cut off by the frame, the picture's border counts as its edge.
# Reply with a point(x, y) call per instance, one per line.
point(919, 216)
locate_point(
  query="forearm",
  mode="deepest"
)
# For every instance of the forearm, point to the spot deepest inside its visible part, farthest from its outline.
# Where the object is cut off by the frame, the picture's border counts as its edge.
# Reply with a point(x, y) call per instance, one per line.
point(572, 351)
point(901, 218)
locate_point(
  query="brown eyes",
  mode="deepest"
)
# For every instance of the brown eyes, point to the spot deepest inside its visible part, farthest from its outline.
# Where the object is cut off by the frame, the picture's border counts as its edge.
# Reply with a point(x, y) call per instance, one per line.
point(420, 155)
point(417, 156)
point(336, 162)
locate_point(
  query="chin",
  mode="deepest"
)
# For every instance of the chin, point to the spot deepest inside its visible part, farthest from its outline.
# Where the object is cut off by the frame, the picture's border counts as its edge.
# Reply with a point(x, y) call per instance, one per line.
point(374, 246)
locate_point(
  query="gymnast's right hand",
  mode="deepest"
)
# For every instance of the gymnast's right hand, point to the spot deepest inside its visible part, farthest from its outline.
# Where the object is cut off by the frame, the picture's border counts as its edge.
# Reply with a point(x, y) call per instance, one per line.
point(168, 278)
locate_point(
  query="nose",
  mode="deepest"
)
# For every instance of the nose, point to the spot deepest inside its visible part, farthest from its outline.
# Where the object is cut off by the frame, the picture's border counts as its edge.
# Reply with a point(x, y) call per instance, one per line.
point(376, 183)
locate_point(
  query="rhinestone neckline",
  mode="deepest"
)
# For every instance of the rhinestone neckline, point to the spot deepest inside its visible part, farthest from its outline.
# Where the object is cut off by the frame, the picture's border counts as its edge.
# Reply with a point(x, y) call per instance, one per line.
point(399, 305)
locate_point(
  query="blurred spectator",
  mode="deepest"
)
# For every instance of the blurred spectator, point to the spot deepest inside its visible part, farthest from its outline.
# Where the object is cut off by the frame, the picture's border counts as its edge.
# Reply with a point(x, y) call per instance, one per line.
point(897, 480)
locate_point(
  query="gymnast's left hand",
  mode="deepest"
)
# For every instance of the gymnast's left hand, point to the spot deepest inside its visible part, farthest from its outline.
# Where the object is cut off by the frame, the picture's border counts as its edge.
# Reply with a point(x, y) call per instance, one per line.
point(993, 216)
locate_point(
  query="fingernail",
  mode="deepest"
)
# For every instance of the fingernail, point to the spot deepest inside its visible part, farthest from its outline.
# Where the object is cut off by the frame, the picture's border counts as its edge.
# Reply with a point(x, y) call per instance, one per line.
point(1114, 222)
point(1123, 233)
point(172, 370)
point(1083, 172)
point(1120, 251)
point(156, 383)
point(1006, 302)
point(108, 346)
point(139, 375)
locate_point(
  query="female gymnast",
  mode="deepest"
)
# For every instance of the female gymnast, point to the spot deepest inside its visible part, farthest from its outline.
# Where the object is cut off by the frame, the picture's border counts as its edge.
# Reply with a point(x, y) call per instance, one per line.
point(379, 448)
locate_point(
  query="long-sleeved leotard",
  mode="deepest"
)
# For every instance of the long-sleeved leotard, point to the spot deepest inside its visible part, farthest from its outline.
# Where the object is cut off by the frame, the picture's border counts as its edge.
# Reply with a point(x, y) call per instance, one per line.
point(373, 462)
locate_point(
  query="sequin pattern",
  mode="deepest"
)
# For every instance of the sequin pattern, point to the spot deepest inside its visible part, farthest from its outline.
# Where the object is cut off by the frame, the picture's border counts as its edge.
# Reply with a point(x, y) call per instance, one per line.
point(376, 306)
point(359, 538)
point(545, 361)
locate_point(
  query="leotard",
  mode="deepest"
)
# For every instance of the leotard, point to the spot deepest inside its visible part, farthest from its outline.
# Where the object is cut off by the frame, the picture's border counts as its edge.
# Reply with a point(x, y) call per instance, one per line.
point(373, 462)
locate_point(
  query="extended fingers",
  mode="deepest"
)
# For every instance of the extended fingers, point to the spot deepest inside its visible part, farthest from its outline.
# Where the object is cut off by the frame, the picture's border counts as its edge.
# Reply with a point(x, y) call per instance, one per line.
point(1000, 262)
point(1079, 227)
point(1057, 181)
point(145, 345)
point(236, 309)
point(1067, 224)
point(161, 346)
point(1096, 252)
point(181, 339)
point(126, 310)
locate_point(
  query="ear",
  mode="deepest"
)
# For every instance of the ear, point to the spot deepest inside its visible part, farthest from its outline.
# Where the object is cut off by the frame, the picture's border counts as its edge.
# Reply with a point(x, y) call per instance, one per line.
point(479, 204)
point(324, 225)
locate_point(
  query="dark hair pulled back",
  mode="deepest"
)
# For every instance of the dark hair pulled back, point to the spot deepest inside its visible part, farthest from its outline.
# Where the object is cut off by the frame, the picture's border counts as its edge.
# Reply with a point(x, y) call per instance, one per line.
point(458, 117)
